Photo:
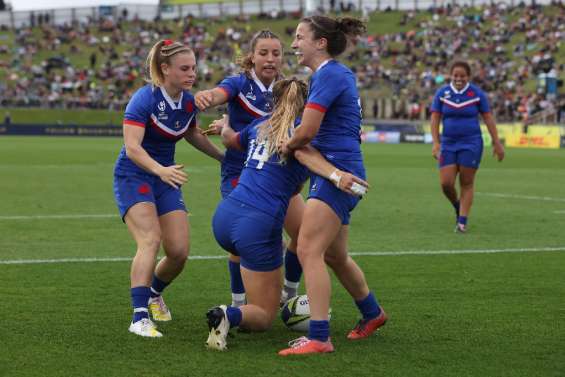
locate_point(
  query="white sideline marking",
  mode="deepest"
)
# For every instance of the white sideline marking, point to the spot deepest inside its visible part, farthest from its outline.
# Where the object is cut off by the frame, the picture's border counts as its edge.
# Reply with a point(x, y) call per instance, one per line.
point(527, 197)
point(58, 217)
point(361, 253)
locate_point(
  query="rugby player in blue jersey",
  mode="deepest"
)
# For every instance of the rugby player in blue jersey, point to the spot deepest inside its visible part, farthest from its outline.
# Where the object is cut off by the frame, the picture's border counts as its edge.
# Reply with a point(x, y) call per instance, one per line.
point(460, 149)
point(332, 123)
point(147, 180)
point(249, 221)
point(249, 96)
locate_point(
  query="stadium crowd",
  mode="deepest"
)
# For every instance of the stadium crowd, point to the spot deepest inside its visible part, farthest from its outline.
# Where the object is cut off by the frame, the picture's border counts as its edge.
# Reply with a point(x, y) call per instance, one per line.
point(514, 52)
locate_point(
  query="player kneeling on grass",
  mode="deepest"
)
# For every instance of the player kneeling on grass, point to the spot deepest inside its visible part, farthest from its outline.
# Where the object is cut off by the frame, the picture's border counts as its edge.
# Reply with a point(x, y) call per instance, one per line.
point(249, 221)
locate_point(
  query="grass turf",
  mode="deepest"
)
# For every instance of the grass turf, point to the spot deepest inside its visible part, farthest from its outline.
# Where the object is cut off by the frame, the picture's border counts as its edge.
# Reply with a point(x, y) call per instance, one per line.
point(451, 315)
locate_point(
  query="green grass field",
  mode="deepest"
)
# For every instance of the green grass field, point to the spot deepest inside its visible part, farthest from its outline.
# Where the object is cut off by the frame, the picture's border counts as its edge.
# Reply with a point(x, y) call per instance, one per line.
point(488, 303)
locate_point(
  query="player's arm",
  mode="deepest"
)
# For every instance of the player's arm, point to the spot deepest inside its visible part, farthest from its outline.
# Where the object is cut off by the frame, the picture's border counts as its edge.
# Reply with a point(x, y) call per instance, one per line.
point(201, 142)
point(498, 149)
point(230, 138)
point(435, 120)
point(315, 162)
point(205, 99)
point(133, 136)
point(303, 134)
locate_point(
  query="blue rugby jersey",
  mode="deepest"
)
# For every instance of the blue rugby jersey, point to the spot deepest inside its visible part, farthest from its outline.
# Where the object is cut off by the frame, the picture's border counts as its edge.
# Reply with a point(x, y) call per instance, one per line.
point(165, 123)
point(460, 111)
point(333, 91)
point(265, 183)
point(248, 99)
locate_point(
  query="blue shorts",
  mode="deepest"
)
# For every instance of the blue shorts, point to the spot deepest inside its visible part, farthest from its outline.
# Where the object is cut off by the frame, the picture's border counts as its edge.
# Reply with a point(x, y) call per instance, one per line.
point(467, 154)
point(340, 202)
point(133, 189)
point(228, 184)
point(252, 234)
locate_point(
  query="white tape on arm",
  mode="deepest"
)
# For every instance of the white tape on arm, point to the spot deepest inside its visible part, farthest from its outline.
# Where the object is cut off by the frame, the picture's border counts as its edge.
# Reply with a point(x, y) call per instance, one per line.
point(335, 178)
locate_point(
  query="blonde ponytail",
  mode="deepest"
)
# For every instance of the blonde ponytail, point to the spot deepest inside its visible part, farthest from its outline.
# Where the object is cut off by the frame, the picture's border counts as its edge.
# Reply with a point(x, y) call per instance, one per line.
point(289, 98)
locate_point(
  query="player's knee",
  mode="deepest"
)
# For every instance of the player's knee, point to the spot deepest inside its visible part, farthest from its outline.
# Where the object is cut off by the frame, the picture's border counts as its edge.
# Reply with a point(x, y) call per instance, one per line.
point(447, 186)
point(307, 255)
point(150, 241)
point(178, 253)
point(335, 261)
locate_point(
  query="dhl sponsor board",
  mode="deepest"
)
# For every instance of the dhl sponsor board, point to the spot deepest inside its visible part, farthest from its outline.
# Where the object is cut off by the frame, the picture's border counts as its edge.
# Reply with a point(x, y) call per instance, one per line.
point(533, 141)
point(537, 136)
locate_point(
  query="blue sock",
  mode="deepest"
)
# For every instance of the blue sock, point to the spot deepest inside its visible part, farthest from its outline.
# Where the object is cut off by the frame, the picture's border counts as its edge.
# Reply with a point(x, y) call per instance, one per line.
point(139, 299)
point(462, 220)
point(234, 316)
point(157, 286)
point(456, 205)
point(319, 330)
point(292, 273)
point(293, 269)
point(369, 306)
point(235, 278)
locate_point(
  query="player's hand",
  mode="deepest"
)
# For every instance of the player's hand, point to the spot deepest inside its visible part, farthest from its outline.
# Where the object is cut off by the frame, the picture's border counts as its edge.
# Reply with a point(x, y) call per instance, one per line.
point(215, 128)
point(283, 148)
point(436, 150)
point(203, 99)
point(349, 183)
point(498, 150)
point(173, 175)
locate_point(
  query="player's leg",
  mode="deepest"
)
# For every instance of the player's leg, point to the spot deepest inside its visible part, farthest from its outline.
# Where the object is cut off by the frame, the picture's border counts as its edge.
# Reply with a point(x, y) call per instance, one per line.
point(236, 282)
point(468, 161)
point(353, 280)
point(448, 170)
point(293, 269)
point(263, 289)
point(175, 231)
point(263, 292)
point(143, 224)
point(467, 184)
point(319, 228)
point(257, 238)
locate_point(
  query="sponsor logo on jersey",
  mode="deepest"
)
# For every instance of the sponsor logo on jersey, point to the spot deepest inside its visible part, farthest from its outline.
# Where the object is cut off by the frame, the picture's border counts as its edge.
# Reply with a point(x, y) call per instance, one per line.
point(250, 95)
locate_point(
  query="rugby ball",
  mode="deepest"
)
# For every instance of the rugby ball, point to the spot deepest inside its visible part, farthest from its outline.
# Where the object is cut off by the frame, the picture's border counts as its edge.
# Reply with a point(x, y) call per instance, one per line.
point(295, 313)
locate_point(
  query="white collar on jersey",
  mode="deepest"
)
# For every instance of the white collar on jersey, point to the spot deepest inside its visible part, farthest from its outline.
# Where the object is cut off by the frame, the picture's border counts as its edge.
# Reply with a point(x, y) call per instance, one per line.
point(260, 84)
point(170, 100)
point(459, 91)
point(323, 64)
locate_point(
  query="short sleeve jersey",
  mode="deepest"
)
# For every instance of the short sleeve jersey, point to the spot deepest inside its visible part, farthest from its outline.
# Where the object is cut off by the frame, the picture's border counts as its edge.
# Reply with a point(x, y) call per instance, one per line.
point(248, 99)
point(333, 91)
point(460, 111)
point(165, 122)
point(265, 183)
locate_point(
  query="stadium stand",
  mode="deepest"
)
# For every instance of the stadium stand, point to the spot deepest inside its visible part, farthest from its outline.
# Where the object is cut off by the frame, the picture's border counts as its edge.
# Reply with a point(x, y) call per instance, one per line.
point(517, 55)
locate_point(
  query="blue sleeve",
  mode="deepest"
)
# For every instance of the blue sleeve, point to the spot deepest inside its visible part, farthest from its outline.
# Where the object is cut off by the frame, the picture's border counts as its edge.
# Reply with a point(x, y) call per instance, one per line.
point(484, 106)
point(324, 90)
point(436, 103)
point(138, 110)
point(231, 85)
